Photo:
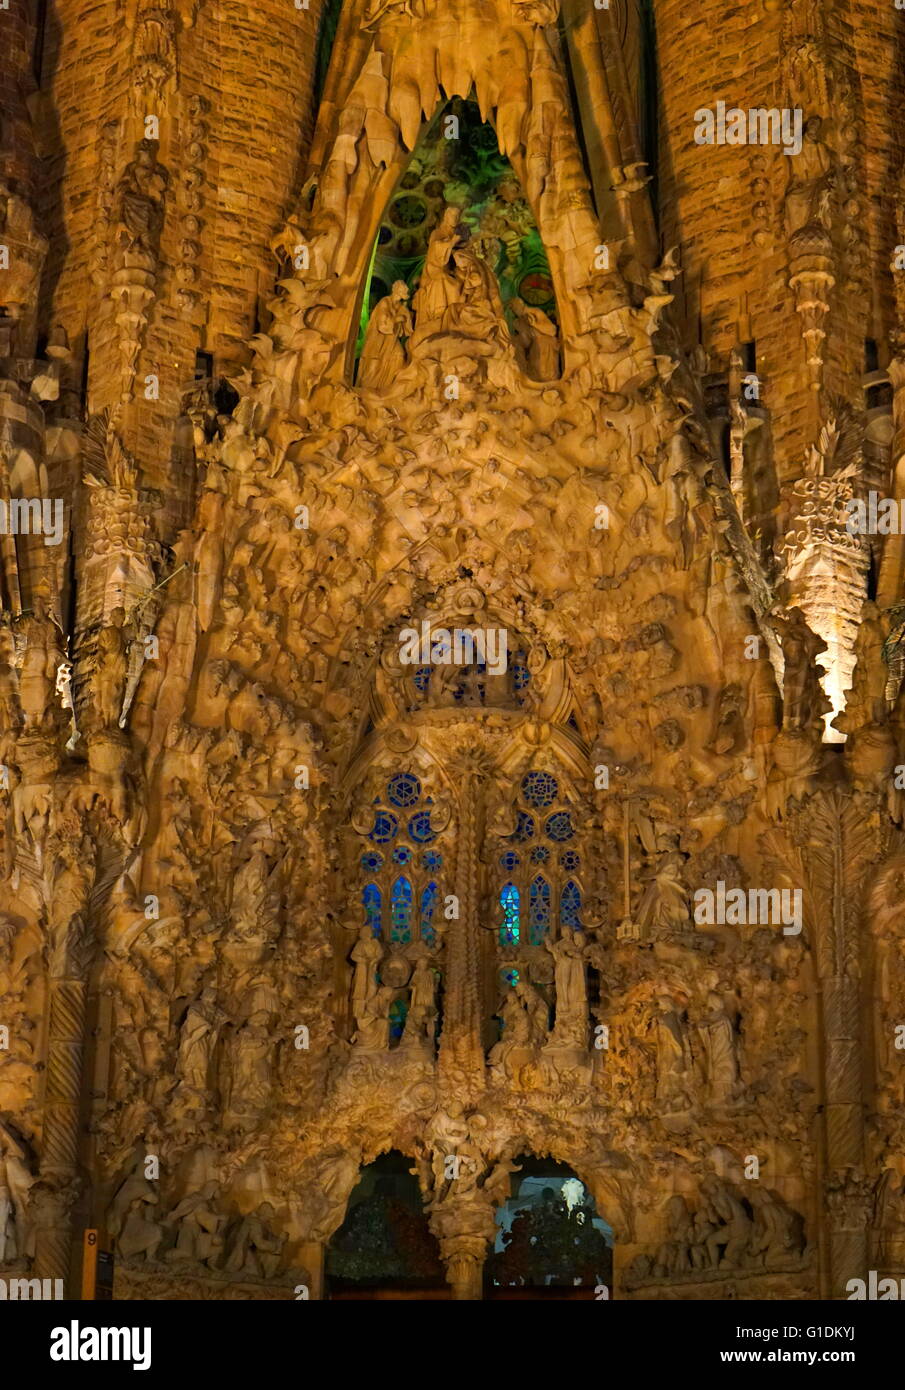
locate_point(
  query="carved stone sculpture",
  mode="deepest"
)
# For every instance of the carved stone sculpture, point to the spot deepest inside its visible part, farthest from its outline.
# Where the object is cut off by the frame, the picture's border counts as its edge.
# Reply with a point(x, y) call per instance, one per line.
point(383, 355)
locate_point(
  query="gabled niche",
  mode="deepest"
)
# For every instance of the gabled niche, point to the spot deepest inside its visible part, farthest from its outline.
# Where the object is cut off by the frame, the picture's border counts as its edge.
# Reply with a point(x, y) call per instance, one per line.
point(470, 172)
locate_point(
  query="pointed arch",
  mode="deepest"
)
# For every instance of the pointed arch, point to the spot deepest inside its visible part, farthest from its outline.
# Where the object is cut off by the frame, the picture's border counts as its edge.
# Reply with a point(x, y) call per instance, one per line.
point(426, 924)
point(510, 931)
point(401, 907)
point(570, 907)
point(472, 173)
point(539, 911)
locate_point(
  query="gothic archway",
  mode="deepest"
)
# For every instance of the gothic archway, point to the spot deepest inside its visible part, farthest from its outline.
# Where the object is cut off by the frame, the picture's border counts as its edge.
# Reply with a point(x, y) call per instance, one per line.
point(384, 1249)
point(551, 1242)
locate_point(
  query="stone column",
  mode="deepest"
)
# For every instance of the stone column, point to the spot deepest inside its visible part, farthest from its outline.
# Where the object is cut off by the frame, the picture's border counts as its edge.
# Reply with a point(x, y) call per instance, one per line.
point(59, 1163)
point(461, 1058)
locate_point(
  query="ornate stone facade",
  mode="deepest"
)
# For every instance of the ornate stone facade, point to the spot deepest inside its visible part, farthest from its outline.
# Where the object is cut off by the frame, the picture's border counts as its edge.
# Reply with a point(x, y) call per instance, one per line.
point(449, 712)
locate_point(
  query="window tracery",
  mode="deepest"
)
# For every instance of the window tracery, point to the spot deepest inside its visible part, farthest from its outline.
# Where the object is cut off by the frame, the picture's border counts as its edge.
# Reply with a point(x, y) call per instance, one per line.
point(538, 871)
point(401, 891)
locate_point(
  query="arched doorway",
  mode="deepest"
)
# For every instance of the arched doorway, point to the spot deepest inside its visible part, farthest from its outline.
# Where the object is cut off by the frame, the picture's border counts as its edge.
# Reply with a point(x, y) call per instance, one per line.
point(550, 1242)
point(384, 1249)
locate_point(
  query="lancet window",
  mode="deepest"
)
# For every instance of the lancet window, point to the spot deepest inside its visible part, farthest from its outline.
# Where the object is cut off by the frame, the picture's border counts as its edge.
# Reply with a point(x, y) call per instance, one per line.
point(401, 865)
point(539, 873)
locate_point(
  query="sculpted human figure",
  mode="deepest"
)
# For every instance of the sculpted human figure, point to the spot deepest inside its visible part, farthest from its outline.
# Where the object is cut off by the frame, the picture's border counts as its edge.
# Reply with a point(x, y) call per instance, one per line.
point(719, 1049)
point(140, 1235)
point(199, 1227)
point(673, 1052)
point(139, 201)
point(571, 1015)
point(111, 670)
point(382, 354)
point(536, 1009)
point(811, 181)
point(135, 1188)
point(516, 1029)
point(437, 288)
point(536, 335)
point(252, 1065)
point(16, 1181)
point(478, 310)
point(254, 1251)
point(199, 1037)
point(373, 1019)
point(778, 1230)
point(569, 973)
point(367, 954)
point(664, 904)
point(420, 1023)
point(337, 1173)
point(674, 1255)
point(734, 1234)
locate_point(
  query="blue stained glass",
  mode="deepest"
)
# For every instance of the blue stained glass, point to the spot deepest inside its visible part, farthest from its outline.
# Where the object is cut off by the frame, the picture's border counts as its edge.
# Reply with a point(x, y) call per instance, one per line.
point(428, 903)
point(372, 860)
point(539, 788)
point(422, 678)
point(401, 904)
point(539, 911)
point(570, 907)
point(398, 1012)
point(570, 861)
point(430, 859)
point(371, 899)
point(559, 826)
point(403, 790)
point(420, 828)
point(402, 854)
point(520, 676)
point(510, 860)
point(540, 854)
point(509, 901)
point(509, 977)
point(524, 828)
point(385, 827)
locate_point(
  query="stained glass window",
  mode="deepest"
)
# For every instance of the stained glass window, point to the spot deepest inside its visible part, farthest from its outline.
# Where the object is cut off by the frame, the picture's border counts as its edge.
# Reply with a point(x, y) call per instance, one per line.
point(420, 828)
point(371, 899)
point(559, 826)
point(539, 854)
point(509, 901)
point(539, 788)
point(520, 676)
point(509, 860)
point(401, 903)
point(403, 789)
point(385, 827)
point(417, 889)
point(524, 827)
point(570, 860)
point(509, 977)
point(539, 911)
point(570, 907)
point(428, 903)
